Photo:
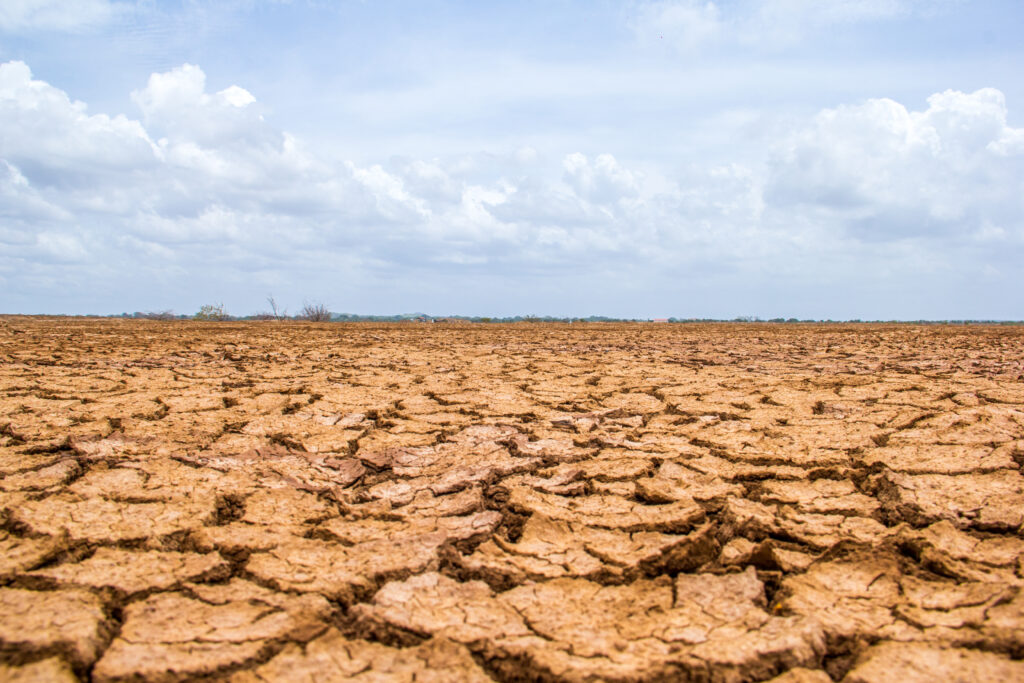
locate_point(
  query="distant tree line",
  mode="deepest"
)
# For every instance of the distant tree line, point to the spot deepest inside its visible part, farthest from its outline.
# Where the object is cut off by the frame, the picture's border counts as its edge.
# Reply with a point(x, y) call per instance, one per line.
point(319, 312)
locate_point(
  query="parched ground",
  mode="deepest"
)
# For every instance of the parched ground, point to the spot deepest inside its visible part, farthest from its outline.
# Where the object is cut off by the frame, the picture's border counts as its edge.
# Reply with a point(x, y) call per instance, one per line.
point(262, 502)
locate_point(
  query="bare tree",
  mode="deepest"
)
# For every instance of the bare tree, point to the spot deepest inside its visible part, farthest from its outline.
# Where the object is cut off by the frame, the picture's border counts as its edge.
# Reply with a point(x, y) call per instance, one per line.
point(278, 314)
point(315, 312)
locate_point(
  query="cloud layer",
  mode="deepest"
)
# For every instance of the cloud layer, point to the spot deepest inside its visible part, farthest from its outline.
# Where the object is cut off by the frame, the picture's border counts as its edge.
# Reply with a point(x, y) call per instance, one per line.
point(198, 196)
point(56, 15)
point(688, 25)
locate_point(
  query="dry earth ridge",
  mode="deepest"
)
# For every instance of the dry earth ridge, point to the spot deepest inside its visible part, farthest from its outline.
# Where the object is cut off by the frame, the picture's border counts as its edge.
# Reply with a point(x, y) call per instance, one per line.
point(261, 502)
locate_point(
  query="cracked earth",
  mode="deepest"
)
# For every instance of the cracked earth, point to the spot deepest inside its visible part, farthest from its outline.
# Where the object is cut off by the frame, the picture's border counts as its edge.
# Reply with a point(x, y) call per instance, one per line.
point(263, 502)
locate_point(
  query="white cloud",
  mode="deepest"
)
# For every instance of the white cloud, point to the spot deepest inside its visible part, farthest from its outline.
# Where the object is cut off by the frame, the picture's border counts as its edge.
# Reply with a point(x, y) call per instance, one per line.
point(59, 15)
point(175, 104)
point(429, 180)
point(21, 202)
point(56, 140)
point(61, 247)
point(602, 182)
point(392, 199)
point(887, 171)
point(237, 97)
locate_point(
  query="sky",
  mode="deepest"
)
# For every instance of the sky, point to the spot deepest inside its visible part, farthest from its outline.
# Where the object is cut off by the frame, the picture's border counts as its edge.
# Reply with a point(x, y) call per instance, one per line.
point(840, 159)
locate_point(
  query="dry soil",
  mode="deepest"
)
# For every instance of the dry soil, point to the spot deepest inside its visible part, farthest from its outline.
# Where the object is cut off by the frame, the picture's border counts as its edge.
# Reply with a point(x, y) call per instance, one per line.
point(280, 501)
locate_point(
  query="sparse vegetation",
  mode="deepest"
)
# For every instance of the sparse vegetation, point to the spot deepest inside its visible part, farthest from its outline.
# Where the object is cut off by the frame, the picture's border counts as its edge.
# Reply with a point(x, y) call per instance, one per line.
point(277, 313)
point(211, 312)
point(320, 313)
point(156, 315)
point(315, 312)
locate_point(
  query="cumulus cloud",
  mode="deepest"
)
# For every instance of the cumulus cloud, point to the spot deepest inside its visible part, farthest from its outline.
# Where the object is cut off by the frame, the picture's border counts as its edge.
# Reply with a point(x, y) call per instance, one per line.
point(59, 15)
point(175, 104)
point(56, 141)
point(887, 171)
point(603, 182)
point(21, 202)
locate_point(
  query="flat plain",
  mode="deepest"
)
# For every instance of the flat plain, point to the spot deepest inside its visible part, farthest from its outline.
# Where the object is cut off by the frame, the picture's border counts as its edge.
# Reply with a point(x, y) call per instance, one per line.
point(433, 502)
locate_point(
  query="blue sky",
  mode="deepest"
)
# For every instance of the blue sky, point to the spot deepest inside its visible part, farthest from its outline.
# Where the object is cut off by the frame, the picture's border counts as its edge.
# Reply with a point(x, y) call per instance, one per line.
point(808, 158)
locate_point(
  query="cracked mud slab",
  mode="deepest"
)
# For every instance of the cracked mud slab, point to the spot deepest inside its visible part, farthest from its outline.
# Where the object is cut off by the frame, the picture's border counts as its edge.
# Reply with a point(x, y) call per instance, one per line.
point(333, 657)
point(278, 502)
point(176, 635)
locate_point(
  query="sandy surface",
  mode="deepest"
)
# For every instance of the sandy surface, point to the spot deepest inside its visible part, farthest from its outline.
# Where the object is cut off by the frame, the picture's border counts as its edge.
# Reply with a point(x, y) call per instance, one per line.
point(257, 502)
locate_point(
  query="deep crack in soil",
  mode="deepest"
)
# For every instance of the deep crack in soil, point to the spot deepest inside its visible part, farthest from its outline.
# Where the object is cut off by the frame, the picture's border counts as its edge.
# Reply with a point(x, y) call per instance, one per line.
point(284, 501)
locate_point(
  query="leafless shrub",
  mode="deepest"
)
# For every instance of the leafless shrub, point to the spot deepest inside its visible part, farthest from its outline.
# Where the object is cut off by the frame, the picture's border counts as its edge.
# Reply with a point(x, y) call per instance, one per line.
point(157, 315)
point(315, 312)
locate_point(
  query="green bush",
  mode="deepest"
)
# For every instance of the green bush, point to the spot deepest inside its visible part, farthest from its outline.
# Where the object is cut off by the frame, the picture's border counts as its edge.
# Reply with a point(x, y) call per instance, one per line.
point(211, 312)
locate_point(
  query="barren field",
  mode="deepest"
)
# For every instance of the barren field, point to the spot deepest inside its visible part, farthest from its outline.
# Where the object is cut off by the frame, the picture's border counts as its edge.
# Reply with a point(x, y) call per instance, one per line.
point(262, 502)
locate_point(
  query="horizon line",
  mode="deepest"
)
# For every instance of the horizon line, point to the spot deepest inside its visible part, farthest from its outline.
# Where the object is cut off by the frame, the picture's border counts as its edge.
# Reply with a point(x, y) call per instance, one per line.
point(169, 316)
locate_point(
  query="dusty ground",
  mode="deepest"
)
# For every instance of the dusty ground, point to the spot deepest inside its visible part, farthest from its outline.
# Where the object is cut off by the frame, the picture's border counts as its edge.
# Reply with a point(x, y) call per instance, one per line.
point(589, 502)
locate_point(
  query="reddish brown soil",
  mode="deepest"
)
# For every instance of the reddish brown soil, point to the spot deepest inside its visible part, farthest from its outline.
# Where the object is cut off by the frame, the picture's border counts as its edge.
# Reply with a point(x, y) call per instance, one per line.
point(265, 501)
